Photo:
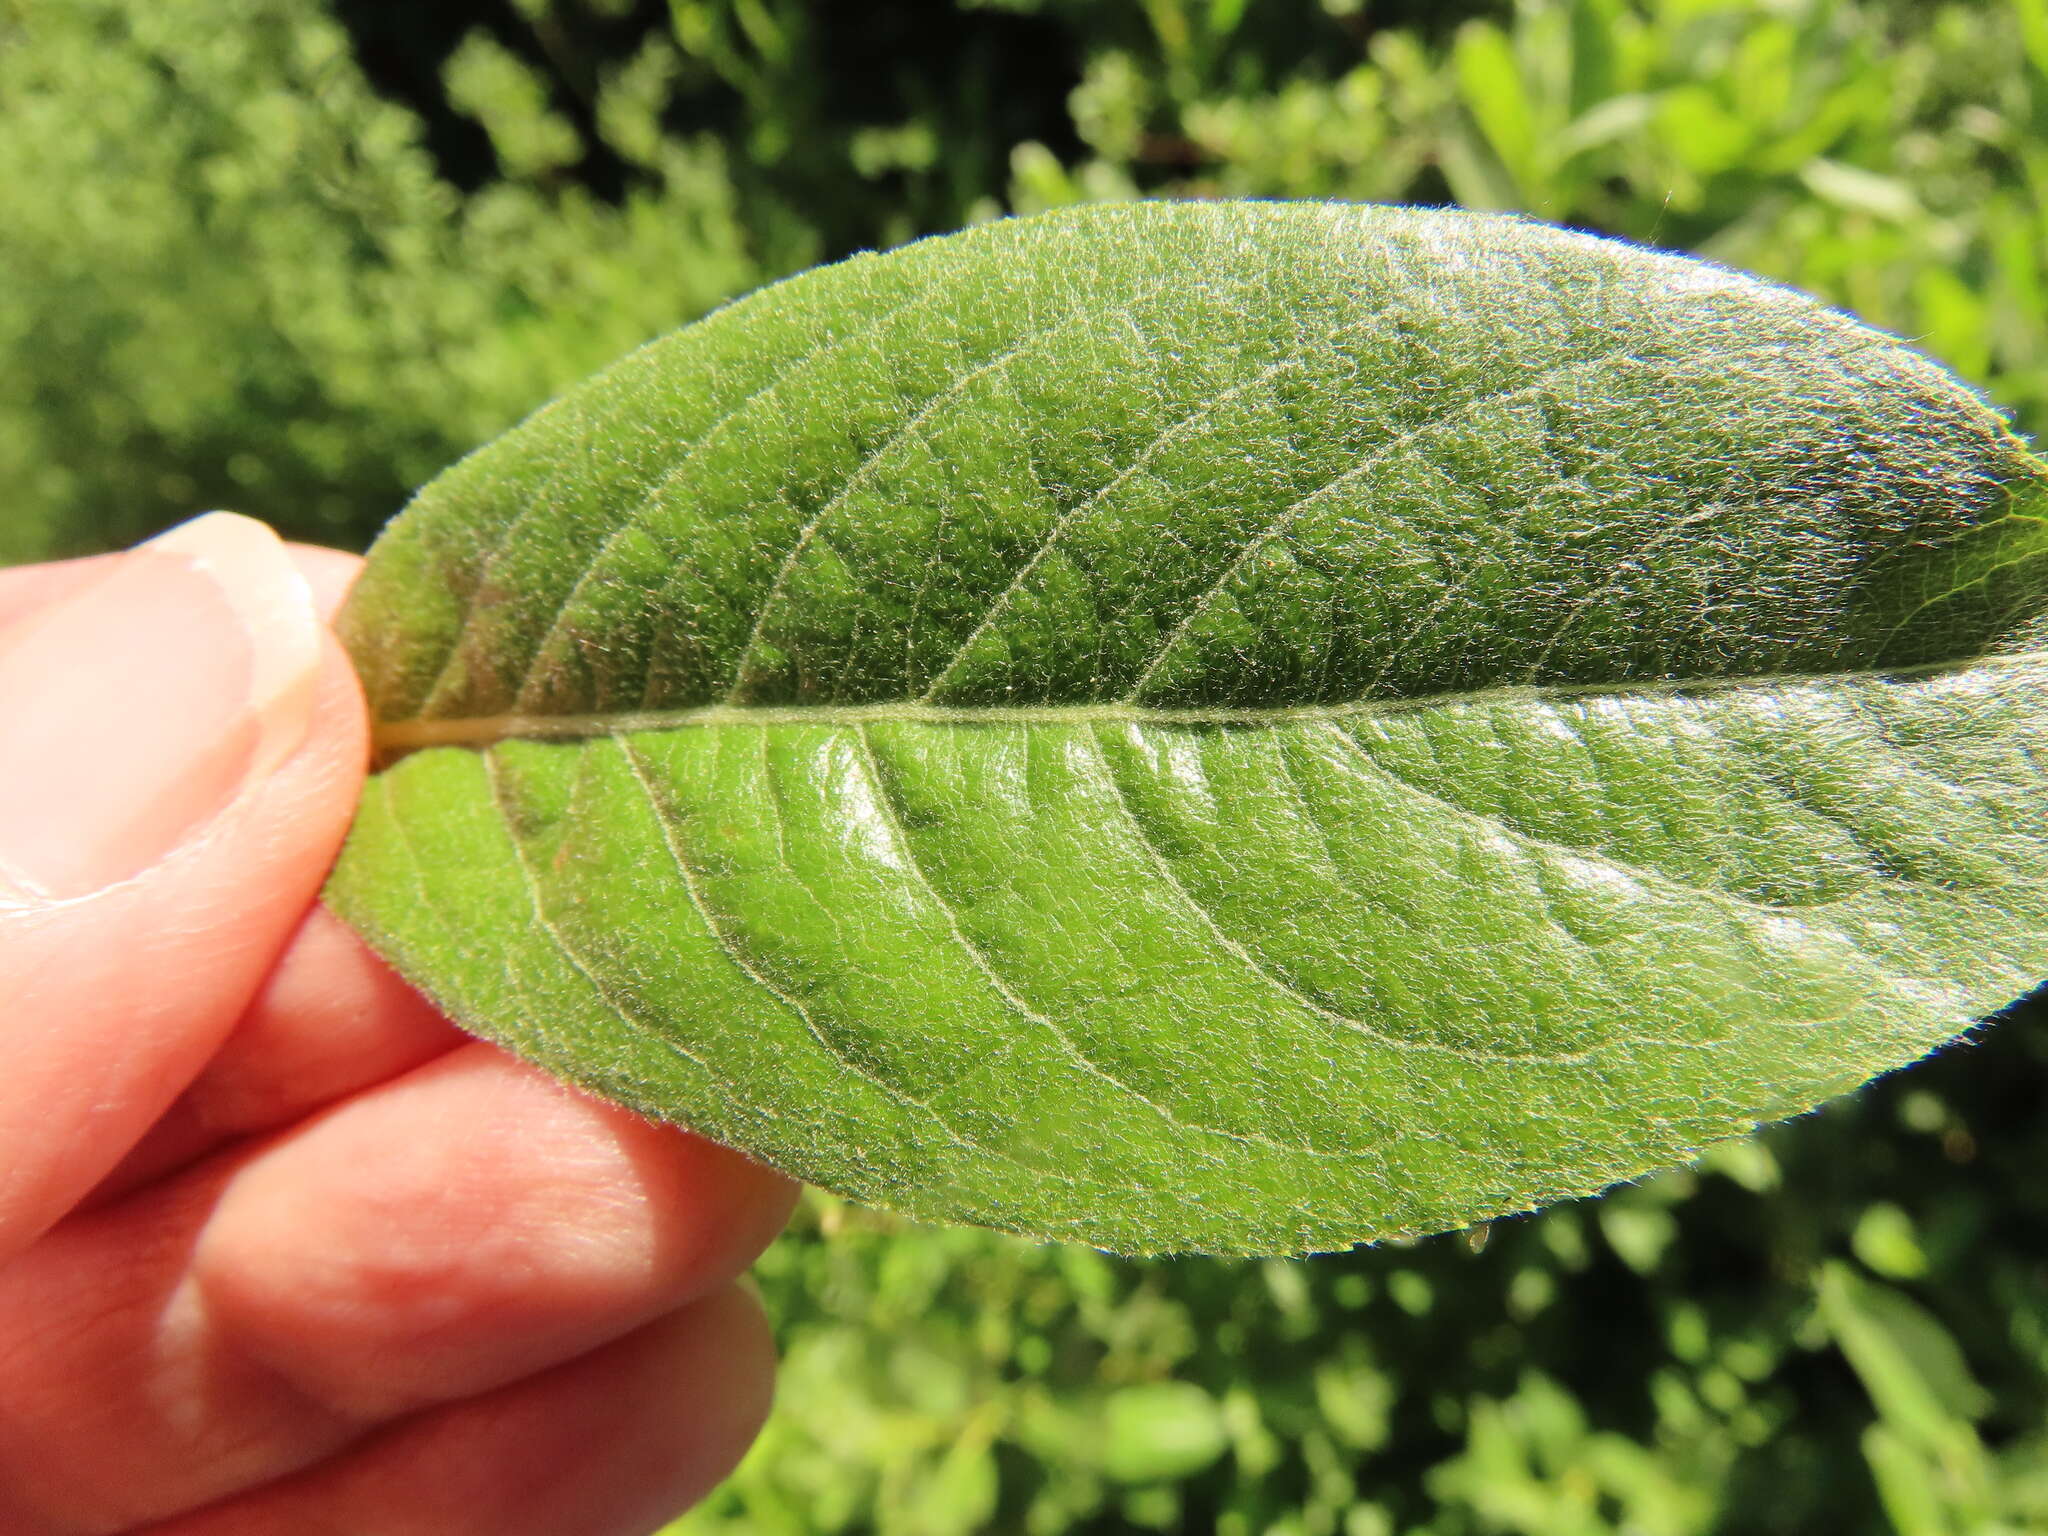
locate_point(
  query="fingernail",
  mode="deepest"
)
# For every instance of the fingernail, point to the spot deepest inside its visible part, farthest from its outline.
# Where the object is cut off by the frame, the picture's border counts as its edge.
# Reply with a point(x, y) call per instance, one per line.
point(137, 710)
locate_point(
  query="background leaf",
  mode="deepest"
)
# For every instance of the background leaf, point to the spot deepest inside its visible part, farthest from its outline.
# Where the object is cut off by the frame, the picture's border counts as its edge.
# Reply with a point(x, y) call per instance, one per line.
point(1236, 727)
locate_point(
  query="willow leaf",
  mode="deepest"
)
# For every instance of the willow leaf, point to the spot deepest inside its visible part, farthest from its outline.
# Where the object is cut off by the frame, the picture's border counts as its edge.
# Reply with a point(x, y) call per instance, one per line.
point(1228, 727)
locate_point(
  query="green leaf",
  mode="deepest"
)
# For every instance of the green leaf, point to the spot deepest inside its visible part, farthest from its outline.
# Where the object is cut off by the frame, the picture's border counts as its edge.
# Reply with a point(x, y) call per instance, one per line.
point(1161, 1430)
point(1912, 1368)
point(1227, 727)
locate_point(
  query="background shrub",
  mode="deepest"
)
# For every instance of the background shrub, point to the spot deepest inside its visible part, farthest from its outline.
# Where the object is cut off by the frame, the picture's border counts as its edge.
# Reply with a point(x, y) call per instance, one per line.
point(293, 257)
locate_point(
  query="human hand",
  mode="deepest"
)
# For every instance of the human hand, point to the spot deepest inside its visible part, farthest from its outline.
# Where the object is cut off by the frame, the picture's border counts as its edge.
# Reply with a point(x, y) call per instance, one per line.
point(280, 1250)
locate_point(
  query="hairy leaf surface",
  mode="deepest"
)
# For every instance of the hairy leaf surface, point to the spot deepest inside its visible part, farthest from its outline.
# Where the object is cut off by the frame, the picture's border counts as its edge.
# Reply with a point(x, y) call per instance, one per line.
point(1243, 728)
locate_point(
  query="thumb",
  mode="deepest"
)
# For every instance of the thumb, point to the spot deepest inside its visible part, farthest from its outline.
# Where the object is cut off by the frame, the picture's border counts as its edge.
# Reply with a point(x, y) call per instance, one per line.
point(181, 747)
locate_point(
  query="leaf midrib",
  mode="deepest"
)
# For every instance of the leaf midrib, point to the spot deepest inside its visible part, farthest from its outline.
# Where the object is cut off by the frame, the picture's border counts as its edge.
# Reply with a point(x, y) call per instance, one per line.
point(396, 737)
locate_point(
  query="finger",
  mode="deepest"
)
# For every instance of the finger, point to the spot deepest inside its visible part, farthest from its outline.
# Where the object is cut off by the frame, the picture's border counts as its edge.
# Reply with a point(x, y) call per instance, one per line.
point(118, 1401)
point(614, 1444)
point(331, 1020)
point(472, 1222)
point(26, 588)
point(329, 572)
point(184, 748)
point(441, 1236)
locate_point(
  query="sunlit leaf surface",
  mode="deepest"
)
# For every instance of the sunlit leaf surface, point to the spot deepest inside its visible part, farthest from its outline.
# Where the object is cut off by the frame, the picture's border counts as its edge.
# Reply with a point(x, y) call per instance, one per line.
point(1234, 727)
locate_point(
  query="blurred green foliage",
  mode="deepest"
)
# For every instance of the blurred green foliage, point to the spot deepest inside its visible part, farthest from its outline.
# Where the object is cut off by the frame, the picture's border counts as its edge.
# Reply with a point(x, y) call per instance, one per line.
point(294, 257)
point(234, 275)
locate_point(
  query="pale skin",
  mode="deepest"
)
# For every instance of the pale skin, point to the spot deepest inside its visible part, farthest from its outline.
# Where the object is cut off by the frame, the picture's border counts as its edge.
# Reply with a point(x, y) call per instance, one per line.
point(281, 1249)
